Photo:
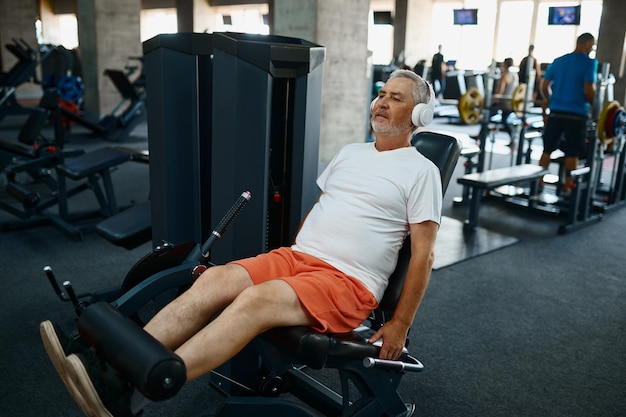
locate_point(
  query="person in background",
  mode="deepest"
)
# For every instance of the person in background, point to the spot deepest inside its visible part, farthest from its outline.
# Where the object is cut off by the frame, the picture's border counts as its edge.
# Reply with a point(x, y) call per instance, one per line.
point(438, 71)
point(507, 83)
point(524, 69)
point(568, 88)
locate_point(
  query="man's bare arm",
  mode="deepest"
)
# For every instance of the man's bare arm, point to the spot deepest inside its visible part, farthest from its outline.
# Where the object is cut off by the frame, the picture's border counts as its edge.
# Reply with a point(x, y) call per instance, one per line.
point(395, 331)
point(590, 92)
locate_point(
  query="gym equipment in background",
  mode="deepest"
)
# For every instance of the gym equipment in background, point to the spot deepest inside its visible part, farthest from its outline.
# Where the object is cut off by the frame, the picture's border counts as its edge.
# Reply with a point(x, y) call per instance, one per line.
point(599, 185)
point(24, 70)
point(62, 75)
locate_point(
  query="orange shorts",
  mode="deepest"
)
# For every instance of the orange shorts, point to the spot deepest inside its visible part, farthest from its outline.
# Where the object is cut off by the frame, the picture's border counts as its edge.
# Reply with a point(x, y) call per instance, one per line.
point(336, 301)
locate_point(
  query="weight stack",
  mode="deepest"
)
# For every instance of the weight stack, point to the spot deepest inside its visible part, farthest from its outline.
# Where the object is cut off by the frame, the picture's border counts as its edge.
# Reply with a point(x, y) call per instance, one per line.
point(179, 90)
point(265, 130)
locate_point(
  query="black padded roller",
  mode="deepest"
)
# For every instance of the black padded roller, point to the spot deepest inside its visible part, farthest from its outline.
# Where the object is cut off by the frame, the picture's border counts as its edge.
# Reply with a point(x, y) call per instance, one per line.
point(142, 360)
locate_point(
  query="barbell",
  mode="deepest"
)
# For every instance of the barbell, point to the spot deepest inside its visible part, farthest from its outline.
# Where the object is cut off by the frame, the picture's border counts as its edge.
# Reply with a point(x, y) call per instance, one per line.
point(472, 101)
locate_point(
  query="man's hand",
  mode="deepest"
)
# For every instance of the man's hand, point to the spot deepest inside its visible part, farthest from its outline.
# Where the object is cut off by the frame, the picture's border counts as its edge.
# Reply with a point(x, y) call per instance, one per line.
point(394, 336)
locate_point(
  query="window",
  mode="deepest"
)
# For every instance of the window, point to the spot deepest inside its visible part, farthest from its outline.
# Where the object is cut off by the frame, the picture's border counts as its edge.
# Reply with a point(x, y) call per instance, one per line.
point(514, 30)
point(380, 40)
point(562, 38)
point(243, 20)
point(469, 45)
point(157, 21)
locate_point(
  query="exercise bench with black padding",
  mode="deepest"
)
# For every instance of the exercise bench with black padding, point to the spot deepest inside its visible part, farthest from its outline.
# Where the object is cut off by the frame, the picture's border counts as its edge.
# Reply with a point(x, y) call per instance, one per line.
point(481, 182)
point(88, 170)
point(94, 166)
point(129, 228)
point(133, 226)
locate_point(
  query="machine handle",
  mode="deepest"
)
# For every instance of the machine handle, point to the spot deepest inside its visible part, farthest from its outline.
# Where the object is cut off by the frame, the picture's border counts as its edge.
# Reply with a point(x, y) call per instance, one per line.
point(225, 222)
point(389, 365)
point(48, 271)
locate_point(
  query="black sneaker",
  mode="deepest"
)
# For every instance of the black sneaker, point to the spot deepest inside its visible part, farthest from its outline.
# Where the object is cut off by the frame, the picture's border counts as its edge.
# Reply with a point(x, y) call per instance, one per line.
point(58, 345)
point(106, 394)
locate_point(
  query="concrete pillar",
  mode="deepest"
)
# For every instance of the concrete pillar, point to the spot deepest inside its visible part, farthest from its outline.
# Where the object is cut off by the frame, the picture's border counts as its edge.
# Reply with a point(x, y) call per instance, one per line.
point(185, 15)
point(399, 31)
point(108, 33)
point(17, 20)
point(346, 89)
point(612, 44)
point(203, 17)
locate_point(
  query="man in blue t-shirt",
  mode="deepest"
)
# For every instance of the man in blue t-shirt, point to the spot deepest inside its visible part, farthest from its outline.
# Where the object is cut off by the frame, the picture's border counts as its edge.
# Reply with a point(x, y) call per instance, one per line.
point(571, 79)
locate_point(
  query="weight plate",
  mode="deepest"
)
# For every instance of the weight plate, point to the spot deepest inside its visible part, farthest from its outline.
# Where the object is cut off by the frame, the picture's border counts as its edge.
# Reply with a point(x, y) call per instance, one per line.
point(608, 121)
point(619, 122)
point(601, 128)
point(469, 106)
point(518, 98)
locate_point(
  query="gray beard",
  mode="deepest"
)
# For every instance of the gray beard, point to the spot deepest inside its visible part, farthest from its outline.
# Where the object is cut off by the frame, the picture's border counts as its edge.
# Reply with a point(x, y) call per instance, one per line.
point(380, 127)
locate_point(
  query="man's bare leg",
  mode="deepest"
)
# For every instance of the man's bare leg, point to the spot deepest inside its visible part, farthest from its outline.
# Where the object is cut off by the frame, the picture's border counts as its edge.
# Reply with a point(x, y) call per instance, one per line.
point(571, 163)
point(185, 325)
point(215, 289)
point(255, 310)
point(545, 160)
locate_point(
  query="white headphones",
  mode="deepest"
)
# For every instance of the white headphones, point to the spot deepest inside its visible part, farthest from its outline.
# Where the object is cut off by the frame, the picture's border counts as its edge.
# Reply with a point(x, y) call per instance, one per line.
point(423, 113)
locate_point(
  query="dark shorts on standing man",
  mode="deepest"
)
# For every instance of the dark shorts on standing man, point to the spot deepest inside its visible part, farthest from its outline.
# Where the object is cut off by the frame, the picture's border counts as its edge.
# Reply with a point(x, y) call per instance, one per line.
point(574, 129)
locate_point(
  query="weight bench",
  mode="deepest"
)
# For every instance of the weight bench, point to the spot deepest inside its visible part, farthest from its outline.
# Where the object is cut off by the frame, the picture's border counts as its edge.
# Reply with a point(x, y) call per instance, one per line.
point(279, 361)
point(132, 226)
point(88, 169)
point(30, 145)
point(94, 166)
point(128, 228)
point(485, 181)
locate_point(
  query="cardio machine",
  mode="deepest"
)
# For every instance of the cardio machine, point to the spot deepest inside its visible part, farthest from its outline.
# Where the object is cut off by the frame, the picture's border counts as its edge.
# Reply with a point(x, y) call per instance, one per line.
point(278, 362)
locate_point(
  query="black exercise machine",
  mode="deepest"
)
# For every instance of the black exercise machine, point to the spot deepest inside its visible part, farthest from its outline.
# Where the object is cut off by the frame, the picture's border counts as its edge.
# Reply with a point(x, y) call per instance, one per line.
point(89, 171)
point(132, 226)
point(24, 70)
point(117, 125)
point(279, 361)
point(39, 172)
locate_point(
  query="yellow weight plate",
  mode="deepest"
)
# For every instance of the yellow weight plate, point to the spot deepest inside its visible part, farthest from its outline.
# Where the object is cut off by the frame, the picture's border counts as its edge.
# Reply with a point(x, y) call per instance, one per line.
point(602, 118)
point(518, 98)
point(469, 106)
point(609, 123)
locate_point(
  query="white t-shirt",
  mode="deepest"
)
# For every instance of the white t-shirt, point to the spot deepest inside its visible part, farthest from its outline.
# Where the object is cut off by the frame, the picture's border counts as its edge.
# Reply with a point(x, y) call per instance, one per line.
point(369, 199)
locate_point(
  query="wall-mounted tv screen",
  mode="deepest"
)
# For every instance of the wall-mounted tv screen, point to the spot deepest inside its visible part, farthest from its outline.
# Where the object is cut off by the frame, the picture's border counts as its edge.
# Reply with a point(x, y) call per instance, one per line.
point(383, 18)
point(465, 16)
point(564, 15)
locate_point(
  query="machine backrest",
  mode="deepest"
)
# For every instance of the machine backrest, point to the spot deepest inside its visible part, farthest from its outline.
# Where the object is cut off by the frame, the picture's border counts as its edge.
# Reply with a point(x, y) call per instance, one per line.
point(443, 151)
